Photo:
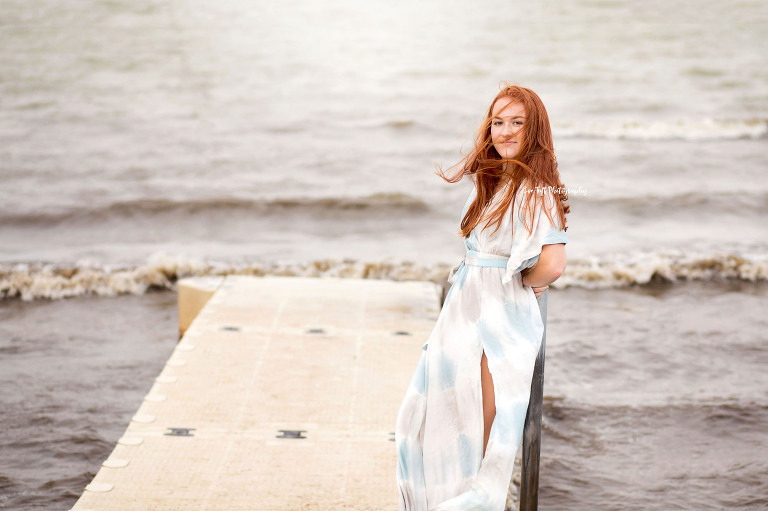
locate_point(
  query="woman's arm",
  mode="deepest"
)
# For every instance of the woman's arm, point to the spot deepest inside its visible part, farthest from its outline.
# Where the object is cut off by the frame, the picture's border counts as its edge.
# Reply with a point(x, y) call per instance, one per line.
point(547, 269)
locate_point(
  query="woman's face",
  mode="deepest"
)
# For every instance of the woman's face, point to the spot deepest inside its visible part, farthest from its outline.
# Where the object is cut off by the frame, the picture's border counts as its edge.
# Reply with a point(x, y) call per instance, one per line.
point(507, 121)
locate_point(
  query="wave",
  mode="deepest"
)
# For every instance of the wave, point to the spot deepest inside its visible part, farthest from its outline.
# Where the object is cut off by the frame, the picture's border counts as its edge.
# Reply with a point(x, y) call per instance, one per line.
point(354, 208)
point(695, 129)
point(646, 268)
point(741, 202)
point(309, 206)
point(706, 128)
point(161, 271)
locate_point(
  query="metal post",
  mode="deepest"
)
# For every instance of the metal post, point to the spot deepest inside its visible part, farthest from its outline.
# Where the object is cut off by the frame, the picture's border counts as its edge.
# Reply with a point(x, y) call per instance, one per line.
point(529, 477)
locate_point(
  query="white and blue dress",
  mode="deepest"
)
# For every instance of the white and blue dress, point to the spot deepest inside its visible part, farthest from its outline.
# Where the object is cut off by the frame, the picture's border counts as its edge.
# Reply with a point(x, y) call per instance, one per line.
point(439, 427)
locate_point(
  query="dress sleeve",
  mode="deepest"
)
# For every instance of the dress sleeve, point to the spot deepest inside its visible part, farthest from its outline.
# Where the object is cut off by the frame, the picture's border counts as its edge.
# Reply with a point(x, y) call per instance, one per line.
point(467, 203)
point(526, 248)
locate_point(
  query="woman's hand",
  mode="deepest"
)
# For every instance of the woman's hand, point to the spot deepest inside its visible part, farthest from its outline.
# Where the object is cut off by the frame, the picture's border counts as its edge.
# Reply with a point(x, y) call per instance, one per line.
point(538, 290)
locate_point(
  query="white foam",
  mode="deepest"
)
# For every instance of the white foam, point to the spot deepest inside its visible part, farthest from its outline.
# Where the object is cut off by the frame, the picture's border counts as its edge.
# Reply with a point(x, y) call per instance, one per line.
point(30, 282)
point(685, 129)
point(671, 266)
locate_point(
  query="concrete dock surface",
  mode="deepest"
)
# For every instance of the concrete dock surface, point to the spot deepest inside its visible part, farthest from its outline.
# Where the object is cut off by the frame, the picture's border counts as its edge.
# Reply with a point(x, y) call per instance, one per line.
point(282, 394)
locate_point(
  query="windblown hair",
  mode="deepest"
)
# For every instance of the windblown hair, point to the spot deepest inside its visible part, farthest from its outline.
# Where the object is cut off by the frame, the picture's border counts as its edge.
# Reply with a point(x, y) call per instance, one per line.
point(535, 166)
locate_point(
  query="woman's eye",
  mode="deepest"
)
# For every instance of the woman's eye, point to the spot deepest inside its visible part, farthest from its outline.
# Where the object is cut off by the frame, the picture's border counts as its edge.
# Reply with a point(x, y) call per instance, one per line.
point(496, 123)
point(518, 123)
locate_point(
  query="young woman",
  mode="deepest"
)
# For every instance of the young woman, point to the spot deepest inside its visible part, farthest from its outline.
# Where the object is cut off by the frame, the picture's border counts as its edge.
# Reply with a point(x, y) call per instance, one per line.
point(461, 421)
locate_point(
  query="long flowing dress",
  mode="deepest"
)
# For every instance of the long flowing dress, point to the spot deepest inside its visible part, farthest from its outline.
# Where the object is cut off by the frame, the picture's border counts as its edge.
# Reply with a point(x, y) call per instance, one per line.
point(439, 427)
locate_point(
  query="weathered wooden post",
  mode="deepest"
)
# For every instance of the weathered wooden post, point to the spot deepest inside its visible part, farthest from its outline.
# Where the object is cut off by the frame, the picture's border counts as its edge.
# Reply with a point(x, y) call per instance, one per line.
point(529, 477)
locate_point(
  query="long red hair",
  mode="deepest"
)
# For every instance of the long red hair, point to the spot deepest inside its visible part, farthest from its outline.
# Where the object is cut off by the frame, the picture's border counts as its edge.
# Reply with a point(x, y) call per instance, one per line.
point(535, 163)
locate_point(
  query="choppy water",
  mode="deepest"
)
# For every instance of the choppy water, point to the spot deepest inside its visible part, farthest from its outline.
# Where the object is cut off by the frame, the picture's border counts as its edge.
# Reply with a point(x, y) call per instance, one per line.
point(654, 397)
point(143, 142)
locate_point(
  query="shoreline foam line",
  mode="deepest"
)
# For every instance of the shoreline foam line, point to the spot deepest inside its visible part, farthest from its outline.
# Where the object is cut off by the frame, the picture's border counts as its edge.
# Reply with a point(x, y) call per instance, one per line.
point(47, 281)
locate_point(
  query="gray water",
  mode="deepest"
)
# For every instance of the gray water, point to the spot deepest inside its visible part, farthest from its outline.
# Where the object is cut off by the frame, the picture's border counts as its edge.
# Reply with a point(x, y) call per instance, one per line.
point(143, 142)
point(654, 397)
point(301, 130)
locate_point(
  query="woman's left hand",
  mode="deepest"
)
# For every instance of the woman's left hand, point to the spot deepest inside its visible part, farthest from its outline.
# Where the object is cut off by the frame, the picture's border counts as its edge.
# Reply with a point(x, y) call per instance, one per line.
point(538, 290)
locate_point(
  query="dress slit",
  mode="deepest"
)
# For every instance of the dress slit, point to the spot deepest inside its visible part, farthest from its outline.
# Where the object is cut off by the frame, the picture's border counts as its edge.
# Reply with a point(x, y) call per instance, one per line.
point(483, 399)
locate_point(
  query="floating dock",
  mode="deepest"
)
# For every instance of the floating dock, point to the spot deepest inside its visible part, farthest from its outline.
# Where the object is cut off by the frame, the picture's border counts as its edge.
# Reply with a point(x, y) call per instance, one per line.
point(282, 394)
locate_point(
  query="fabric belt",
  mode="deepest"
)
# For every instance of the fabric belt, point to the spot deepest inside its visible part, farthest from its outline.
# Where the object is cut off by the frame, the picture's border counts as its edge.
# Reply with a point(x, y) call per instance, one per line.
point(475, 258)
